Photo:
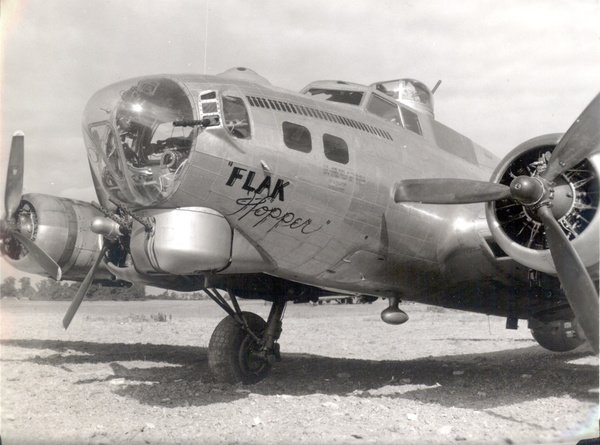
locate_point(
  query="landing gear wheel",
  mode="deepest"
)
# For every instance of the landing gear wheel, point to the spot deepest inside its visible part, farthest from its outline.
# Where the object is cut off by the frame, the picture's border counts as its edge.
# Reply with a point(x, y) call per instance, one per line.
point(558, 335)
point(233, 353)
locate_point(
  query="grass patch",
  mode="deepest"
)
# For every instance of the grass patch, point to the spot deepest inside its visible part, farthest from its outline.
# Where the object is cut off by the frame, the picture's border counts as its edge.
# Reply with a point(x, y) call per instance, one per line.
point(161, 317)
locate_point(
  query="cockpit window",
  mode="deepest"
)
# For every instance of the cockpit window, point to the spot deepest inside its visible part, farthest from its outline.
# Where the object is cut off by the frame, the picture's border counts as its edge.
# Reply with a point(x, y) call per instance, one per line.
point(384, 109)
point(236, 117)
point(134, 148)
point(341, 96)
point(411, 120)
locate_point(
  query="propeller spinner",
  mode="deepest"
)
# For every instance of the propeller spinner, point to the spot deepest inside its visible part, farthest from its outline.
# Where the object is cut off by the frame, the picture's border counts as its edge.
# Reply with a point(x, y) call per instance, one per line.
point(11, 225)
point(536, 194)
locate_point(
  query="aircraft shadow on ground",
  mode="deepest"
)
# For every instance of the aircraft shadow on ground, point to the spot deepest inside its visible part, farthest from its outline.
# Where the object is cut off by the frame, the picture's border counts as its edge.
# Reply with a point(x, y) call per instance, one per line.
point(477, 381)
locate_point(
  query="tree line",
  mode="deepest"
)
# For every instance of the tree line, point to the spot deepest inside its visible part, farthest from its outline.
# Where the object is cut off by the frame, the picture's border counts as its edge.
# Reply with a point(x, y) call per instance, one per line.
point(51, 290)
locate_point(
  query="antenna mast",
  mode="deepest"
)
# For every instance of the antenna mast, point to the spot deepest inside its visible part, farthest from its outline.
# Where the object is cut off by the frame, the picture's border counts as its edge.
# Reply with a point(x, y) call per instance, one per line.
point(205, 37)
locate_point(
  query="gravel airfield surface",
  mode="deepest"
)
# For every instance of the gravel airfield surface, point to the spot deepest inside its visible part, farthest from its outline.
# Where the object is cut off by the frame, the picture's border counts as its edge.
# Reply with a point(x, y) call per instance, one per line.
point(119, 375)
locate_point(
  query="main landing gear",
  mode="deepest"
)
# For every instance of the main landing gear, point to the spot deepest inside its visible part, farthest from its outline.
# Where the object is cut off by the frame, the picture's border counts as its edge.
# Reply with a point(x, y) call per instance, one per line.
point(557, 335)
point(243, 348)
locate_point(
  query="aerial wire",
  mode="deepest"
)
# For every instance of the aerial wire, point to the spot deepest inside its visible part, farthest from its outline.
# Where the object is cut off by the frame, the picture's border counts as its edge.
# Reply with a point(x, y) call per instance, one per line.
point(205, 36)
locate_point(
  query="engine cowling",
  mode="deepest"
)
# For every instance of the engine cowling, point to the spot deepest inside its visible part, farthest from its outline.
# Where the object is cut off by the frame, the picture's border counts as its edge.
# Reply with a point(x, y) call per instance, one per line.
point(61, 227)
point(518, 230)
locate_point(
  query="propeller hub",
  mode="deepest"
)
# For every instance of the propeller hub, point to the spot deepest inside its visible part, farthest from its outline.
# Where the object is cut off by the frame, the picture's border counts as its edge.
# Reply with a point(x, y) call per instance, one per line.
point(23, 222)
point(564, 198)
point(527, 190)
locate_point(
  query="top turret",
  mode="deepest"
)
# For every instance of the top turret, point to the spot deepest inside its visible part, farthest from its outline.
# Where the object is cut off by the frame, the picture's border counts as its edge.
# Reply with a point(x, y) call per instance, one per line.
point(409, 92)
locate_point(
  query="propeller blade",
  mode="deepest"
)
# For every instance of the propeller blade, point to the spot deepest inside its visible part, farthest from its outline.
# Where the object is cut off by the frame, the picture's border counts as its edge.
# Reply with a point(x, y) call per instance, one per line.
point(449, 191)
point(579, 287)
point(41, 257)
point(83, 289)
point(581, 141)
point(14, 176)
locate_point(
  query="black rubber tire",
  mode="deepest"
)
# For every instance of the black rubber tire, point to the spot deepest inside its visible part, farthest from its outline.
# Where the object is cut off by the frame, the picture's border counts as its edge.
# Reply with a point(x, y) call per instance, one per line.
point(553, 337)
point(230, 348)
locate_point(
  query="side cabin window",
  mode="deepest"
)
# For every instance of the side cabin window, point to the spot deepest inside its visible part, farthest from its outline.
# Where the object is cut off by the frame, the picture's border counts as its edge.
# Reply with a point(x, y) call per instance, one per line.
point(236, 117)
point(336, 149)
point(411, 121)
point(384, 109)
point(341, 96)
point(297, 137)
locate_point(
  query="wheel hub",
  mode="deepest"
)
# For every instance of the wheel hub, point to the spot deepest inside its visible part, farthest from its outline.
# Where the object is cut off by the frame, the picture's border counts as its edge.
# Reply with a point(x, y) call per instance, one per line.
point(250, 357)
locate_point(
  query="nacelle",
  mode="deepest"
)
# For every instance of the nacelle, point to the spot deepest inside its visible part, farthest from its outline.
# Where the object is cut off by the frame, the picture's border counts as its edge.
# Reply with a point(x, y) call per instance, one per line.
point(190, 241)
point(518, 230)
point(61, 227)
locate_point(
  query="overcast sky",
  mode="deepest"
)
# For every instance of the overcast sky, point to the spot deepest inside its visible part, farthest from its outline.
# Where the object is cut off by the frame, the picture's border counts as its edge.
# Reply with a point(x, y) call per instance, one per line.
point(511, 70)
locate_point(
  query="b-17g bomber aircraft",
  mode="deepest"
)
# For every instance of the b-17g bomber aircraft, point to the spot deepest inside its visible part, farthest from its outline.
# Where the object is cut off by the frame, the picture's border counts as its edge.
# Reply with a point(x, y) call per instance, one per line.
point(227, 183)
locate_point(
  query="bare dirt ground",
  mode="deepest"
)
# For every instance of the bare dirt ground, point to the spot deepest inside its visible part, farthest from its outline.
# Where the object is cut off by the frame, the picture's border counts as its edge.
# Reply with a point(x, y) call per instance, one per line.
point(120, 376)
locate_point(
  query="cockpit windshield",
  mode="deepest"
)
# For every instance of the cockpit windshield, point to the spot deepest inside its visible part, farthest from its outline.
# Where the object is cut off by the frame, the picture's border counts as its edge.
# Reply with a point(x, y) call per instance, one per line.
point(334, 95)
point(136, 152)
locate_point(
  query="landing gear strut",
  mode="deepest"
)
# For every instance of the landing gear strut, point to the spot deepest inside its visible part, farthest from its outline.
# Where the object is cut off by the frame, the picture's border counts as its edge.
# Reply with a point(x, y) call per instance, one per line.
point(243, 346)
